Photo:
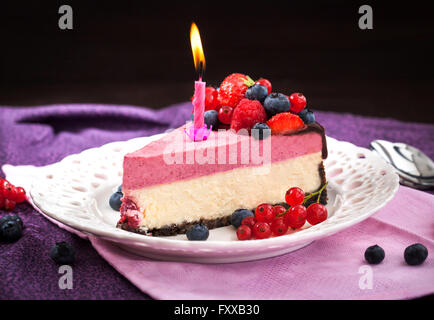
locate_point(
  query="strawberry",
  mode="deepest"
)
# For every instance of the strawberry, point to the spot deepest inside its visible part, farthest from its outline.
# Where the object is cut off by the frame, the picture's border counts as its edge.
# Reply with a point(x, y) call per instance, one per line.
point(247, 114)
point(233, 88)
point(285, 122)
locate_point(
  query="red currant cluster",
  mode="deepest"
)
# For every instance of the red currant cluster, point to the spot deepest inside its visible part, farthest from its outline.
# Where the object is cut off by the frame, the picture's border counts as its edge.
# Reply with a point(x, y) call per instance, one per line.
point(276, 220)
point(10, 195)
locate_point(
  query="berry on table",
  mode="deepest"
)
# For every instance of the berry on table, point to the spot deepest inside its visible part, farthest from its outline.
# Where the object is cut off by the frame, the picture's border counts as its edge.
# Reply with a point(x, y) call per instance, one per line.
point(296, 216)
point(62, 253)
point(297, 101)
point(260, 131)
point(278, 211)
point(294, 196)
point(115, 201)
point(249, 221)
point(9, 205)
point(197, 232)
point(211, 118)
point(264, 213)
point(279, 227)
point(20, 195)
point(244, 232)
point(12, 218)
point(316, 213)
point(233, 88)
point(225, 114)
point(257, 92)
point(265, 83)
point(276, 103)
point(238, 216)
point(284, 123)
point(211, 99)
point(261, 230)
point(10, 230)
point(247, 114)
point(374, 254)
point(415, 254)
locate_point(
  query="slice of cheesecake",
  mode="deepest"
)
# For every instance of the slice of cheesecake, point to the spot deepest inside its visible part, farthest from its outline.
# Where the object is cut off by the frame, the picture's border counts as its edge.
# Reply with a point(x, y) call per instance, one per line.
point(173, 183)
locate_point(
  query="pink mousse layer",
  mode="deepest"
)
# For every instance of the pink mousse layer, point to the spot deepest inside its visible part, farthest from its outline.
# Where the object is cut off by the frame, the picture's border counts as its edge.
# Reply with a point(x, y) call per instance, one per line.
point(148, 167)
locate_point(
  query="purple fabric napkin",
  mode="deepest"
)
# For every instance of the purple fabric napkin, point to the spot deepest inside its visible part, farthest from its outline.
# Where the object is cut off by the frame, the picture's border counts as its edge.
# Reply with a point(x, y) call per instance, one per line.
point(43, 135)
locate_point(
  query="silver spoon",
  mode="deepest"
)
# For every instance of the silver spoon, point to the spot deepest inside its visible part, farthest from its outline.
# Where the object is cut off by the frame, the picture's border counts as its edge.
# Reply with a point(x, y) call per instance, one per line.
point(414, 167)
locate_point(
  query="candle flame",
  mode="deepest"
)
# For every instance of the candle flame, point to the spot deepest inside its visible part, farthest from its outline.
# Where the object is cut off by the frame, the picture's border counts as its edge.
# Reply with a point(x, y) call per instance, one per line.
point(196, 48)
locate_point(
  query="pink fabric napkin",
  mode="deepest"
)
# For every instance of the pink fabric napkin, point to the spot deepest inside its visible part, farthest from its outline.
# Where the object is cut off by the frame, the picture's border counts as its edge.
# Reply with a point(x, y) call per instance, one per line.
point(331, 268)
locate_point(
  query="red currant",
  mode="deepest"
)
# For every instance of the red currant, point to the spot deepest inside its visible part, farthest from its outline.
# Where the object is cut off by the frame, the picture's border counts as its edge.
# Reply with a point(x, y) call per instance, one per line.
point(225, 114)
point(264, 213)
point(278, 211)
point(279, 227)
point(294, 196)
point(297, 102)
point(265, 83)
point(9, 204)
point(2, 202)
point(262, 230)
point(20, 195)
point(211, 99)
point(8, 190)
point(244, 232)
point(249, 221)
point(316, 213)
point(296, 216)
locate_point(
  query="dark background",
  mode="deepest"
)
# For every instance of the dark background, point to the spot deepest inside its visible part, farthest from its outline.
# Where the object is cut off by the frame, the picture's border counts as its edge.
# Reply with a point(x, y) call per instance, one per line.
point(138, 53)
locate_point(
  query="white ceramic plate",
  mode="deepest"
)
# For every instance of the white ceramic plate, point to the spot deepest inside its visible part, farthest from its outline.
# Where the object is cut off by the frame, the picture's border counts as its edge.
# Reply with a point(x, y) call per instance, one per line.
point(76, 190)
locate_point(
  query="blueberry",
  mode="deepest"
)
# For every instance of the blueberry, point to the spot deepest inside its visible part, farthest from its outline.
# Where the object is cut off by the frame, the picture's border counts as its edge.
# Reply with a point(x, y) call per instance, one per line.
point(257, 92)
point(12, 218)
point(192, 117)
point(415, 254)
point(211, 118)
point(197, 232)
point(260, 131)
point(115, 201)
point(307, 116)
point(238, 216)
point(10, 231)
point(276, 103)
point(119, 189)
point(374, 254)
point(62, 253)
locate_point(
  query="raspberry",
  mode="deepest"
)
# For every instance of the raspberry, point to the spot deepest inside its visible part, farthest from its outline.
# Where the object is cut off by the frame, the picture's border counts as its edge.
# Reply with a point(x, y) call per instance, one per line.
point(262, 230)
point(316, 213)
point(264, 213)
point(279, 227)
point(285, 122)
point(296, 216)
point(247, 114)
point(233, 88)
point(244, 232)
point(294, 196)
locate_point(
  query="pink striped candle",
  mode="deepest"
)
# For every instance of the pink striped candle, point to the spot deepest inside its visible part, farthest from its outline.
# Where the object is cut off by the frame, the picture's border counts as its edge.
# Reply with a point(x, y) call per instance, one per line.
point(199, 103)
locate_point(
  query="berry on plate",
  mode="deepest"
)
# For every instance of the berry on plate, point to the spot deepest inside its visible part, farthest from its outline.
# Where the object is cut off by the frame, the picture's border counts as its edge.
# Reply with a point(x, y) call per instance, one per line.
point(225, 114)
point(276, 103)
point(233, 88)
point(247, 114)
point(244, 232)
point(265, 83)
point(211, 99)
point(295, 217)
point(197, 232)
point(261, 230)
point(316, 213)
point(279, 227)
point(415, 254)
point(297, 101)
point(115, 201)
point(294, 196)
point(284, 123)
point(260, 131)
point(10, 230)
point(264, 213)
point(249, 221)
point(257, 92)
point(211, 118)
point(278, 211)
point(238, 216)
point(62, 253)
point(374, 254)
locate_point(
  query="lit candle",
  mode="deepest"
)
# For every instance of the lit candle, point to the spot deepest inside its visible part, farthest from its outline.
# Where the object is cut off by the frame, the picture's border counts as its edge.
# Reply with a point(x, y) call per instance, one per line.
point(199, 131)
